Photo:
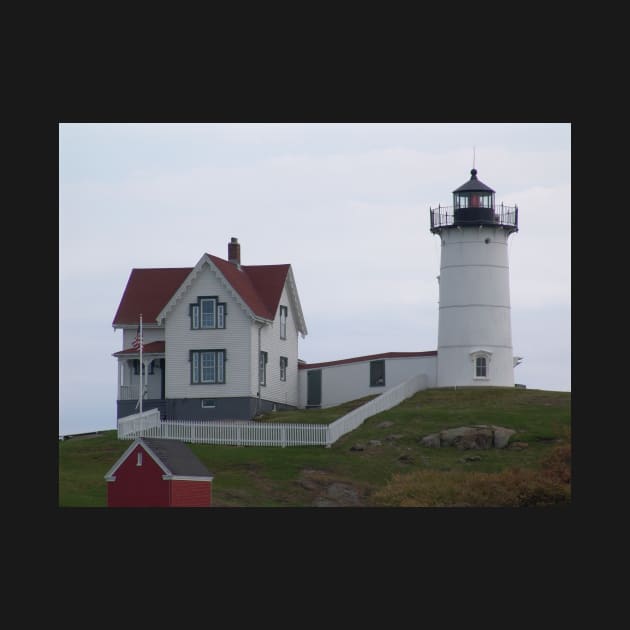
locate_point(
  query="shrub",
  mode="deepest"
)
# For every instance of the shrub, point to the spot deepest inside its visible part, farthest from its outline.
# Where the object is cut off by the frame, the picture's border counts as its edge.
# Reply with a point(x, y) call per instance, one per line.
point(514, 487)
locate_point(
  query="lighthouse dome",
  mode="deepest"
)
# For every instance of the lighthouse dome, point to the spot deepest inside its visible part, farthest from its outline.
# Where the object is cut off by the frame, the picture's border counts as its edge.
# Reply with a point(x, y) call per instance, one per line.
point(473, 185)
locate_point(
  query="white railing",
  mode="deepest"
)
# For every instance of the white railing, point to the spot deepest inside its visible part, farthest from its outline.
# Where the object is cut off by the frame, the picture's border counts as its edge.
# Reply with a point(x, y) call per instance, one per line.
point(233, 432)
point(241, 433)
point(248, 433)
point(385, 401)
point(137, 424)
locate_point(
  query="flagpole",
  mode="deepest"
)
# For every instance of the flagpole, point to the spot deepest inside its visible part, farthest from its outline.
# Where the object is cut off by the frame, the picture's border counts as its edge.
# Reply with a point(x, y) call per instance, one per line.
point(141, 383)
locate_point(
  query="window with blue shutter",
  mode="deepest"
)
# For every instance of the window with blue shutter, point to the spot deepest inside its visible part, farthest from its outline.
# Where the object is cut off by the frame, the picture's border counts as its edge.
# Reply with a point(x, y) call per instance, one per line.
point(207, 367)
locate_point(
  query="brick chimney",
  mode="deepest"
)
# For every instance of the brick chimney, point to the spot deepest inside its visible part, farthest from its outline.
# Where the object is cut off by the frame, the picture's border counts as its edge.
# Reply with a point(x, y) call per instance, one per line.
point(234, 252)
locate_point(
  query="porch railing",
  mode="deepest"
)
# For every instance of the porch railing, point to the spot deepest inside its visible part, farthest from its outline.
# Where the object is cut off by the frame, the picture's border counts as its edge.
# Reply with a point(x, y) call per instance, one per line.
point(128, 392)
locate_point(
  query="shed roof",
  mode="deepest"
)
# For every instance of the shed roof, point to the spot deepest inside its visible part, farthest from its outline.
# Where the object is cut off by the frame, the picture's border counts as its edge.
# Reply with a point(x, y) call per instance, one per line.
point(177, 457)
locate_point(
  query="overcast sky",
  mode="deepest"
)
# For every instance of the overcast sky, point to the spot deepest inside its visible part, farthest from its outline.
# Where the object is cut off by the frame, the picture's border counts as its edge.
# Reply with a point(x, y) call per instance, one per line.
point(347, 205)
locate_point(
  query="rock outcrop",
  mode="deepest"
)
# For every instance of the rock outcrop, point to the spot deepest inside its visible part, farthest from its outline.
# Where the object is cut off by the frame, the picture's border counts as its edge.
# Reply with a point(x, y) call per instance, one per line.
point(479, 437)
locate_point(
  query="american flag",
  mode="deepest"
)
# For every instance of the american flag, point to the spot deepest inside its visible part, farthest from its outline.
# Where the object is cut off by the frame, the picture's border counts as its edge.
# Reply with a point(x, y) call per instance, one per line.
point(137, 342)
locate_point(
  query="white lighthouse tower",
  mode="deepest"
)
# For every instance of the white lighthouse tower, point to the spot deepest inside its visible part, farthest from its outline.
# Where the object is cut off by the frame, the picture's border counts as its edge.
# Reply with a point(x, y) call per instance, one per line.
point(474, 327)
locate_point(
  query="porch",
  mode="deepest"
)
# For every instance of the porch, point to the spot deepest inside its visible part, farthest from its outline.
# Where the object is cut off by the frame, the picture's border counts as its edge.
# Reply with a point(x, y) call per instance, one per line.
point(153, 373)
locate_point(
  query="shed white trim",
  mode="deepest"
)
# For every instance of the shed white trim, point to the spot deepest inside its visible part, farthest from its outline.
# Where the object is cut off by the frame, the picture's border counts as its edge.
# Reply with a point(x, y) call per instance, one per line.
point(138, 441)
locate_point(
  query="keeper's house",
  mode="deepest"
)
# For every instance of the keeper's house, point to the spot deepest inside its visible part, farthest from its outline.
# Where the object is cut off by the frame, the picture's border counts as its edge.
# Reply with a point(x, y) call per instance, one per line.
point(220, 339)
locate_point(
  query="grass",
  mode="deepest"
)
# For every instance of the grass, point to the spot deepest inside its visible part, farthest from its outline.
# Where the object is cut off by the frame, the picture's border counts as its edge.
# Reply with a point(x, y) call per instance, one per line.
point(388, 474)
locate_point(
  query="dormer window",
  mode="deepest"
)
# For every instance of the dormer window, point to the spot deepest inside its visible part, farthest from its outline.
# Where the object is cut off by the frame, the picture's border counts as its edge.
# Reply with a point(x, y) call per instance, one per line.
point(207, 313)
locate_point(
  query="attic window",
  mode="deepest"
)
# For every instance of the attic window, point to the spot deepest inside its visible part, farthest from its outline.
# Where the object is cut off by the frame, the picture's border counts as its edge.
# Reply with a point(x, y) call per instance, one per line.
point(139, 460)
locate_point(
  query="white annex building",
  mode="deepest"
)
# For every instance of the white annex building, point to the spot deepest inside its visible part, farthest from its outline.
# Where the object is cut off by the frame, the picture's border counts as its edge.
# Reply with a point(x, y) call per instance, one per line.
point(221, 338)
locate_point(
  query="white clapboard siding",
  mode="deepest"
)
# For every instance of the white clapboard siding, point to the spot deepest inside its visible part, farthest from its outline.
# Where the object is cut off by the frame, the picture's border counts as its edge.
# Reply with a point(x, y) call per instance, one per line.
point(180, 340)
point(275, 390)
point(349, 381)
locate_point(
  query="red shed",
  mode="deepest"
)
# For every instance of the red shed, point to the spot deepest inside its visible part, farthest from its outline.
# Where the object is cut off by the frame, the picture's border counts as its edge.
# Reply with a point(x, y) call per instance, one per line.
point(154, 472)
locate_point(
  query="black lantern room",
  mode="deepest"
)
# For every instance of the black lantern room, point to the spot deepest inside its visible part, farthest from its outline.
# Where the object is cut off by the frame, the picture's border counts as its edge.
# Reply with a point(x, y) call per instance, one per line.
point(473, 202)
point(473, 205)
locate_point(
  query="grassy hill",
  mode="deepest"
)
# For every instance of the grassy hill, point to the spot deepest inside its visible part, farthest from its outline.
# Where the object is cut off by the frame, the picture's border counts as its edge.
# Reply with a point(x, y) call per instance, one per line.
point(399, 471)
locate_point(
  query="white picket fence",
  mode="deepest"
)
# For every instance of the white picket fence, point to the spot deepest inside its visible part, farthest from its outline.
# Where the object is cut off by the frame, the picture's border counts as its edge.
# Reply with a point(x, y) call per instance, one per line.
point(385, 401)
point(244, 433)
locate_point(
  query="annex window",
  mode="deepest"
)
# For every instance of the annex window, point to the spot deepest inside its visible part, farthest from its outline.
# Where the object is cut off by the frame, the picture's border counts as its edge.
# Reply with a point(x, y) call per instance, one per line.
point(283, 368)
point(262, 367)
point(139, 460)
point(284, 312)
point(207, 313)
point(377, 373)
point(208, 403)
point(207, 366)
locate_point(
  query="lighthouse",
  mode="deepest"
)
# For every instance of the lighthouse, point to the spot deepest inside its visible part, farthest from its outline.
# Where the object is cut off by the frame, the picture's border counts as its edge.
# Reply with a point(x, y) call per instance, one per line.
point(474, 326)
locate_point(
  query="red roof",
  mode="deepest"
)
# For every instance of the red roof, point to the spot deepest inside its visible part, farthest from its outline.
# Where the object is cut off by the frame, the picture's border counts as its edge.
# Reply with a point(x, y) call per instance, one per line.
point(369, 357)
point(148, 291)
point(260, 286)
point(149, 348)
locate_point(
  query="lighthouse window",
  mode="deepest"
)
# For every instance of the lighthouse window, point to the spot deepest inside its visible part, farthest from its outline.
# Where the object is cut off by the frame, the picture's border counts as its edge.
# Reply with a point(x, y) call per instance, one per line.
point(461, 201)
point(481, 367)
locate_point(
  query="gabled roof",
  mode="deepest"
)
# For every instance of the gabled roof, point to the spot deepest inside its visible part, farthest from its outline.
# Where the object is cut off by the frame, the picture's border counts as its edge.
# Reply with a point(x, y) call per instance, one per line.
point(260, 286)
point(177, 457)
point(150, 291)
point(147, 291)
point(155, 347)
point(174, 458)
point(369, 357)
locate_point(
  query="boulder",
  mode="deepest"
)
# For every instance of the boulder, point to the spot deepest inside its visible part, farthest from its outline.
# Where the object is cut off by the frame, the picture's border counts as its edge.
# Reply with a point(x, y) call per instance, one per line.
point(432, 441)
point(357, 447)
point(374, 443)
point(502, 436)
point(465, 438)
point(475, 437)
